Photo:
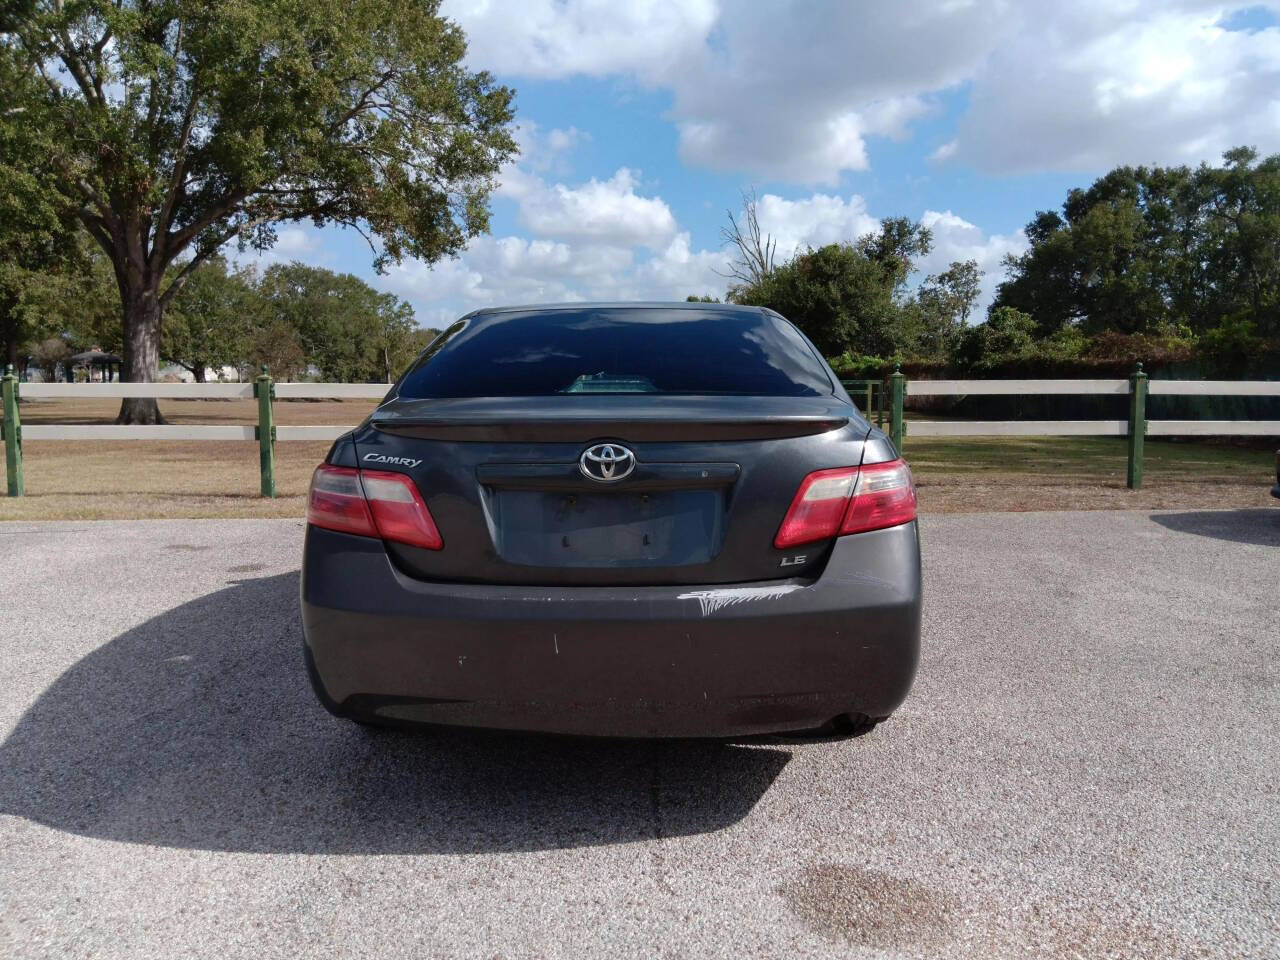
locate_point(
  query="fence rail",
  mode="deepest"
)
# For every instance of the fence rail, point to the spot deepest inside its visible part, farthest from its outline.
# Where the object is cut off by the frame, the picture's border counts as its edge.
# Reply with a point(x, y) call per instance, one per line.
point(953, 388)
point(168, 431)
point(1016, 428)
point(206, 391)
point(871, 392)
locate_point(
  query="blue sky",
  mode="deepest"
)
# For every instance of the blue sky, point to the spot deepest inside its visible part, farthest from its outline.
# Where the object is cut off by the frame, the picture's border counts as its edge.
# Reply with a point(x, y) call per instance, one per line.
point(641, 122)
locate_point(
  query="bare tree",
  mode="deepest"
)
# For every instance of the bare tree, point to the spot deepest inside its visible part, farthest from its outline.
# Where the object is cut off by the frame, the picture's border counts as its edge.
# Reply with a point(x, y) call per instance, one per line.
point(47, 354)
point(755, 249)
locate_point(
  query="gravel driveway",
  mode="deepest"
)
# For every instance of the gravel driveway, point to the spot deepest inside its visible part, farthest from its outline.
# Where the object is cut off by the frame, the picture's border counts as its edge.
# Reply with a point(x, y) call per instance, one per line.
point(1089, 765)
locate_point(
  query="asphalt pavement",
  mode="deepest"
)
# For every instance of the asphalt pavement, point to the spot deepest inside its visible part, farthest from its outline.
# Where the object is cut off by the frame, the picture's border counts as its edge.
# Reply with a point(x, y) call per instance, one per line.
point(1089, 766)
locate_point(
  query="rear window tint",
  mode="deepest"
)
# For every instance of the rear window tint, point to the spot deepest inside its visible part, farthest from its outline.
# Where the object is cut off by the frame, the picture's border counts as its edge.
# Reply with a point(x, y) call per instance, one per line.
point(632, 350)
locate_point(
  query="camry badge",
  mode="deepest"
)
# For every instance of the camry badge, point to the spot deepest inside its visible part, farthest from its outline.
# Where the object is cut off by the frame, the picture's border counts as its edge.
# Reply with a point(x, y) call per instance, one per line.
point(606, 462)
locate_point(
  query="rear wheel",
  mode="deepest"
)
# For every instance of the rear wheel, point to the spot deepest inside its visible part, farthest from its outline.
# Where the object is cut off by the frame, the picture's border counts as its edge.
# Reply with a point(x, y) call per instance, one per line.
point(844, 726)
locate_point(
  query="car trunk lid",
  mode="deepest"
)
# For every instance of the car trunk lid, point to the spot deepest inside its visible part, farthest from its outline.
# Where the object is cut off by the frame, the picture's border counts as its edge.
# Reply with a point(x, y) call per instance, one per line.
point(711, 479)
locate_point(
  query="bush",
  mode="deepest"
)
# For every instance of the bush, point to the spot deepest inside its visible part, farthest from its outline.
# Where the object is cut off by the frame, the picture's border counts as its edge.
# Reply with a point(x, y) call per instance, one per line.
point(855, 366)
point(1230, 349)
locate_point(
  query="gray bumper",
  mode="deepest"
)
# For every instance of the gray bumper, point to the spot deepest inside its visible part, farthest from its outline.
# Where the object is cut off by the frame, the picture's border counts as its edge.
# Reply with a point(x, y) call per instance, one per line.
point(720, 660)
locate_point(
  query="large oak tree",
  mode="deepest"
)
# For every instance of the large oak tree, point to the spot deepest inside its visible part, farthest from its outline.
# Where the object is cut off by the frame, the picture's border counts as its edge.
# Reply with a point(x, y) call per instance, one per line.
point(171, 127)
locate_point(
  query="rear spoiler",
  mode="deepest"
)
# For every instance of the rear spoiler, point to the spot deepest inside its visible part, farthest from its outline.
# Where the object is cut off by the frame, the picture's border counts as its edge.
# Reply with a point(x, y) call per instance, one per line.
point(638, 418)
point(637, 431)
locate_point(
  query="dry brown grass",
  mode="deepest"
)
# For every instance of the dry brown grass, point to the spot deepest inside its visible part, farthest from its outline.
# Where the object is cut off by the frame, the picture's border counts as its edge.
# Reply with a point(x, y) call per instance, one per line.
point(80, 480)
point(129, 479)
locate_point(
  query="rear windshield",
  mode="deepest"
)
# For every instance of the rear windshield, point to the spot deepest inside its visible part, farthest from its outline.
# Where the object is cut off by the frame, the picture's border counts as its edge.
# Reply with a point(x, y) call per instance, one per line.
point(632, 350)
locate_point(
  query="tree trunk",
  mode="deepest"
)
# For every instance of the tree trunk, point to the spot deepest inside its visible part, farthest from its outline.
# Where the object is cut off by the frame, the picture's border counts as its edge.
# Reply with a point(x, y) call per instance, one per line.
point(198, 371)
point(141, 352)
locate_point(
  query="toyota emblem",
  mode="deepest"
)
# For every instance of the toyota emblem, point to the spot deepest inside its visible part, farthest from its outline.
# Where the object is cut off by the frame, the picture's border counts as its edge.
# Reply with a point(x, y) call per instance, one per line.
point(606, 462)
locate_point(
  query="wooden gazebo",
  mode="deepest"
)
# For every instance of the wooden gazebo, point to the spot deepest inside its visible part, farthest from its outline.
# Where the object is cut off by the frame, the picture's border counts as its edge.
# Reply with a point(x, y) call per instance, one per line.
point(106, 364)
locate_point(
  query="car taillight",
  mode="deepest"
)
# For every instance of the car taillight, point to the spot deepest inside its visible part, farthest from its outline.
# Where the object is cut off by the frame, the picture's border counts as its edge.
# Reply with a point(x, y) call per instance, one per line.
point(371, 503)
point(818, 508)
point(847, 500)
point(884, 496)
point(399, 512)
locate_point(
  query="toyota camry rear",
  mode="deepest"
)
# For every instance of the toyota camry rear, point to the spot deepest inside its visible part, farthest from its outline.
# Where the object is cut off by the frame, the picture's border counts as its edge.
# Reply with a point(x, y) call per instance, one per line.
point(615, 519)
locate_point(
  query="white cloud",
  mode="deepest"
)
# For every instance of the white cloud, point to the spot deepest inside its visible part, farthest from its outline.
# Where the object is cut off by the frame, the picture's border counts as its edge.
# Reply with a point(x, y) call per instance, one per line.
point(1156, 86)
point(955, 238)
point(679, 270)
point(511, 270)
point(598, 240)
point(292, 243)
point(609, 210)
point(945, 152)
point(793, 90)
point(552, 38)
point(813, 221)
point(580, 265)
point(548, 150)
point(505, 270)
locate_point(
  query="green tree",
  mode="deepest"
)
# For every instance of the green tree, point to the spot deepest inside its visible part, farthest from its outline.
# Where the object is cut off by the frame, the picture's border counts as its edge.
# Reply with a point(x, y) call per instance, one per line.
point(850, 296)
point(1241, 249)
point(1007, 333)
point(174, 126)
point(39, 251)
point(347, 330)
point(276, 345)
point(1156, 249)
point(397, 338)
point(211, 321)
point(945, 301)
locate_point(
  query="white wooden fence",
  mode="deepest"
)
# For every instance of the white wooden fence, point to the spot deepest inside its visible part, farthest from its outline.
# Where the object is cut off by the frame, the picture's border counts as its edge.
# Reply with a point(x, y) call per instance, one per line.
point(192, 391)
point(1100, 428)
point(264, 390)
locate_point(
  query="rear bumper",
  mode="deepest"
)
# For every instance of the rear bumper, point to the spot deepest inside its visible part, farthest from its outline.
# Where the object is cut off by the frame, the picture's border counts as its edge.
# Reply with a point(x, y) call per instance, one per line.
point(614, 661)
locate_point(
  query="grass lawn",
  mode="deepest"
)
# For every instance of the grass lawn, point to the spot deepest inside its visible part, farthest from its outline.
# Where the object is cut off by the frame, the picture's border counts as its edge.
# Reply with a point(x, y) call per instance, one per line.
point(966, 474)
point(81, 480)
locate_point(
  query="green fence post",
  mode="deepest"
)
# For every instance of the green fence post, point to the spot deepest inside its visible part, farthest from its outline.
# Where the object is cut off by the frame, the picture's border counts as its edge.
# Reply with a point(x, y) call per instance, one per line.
point(880, 415)
point(1137, 424)
point(12, 434)
point(899, 391)
point(264, 389)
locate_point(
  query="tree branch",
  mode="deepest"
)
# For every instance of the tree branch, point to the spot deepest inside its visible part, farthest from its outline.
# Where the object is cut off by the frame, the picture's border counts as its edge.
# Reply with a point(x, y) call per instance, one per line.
point(363, 102)
point(176, 181)
point(188, 268)
point(175, 243)
point(89, 87)
point(206, 252)
point(96, 227)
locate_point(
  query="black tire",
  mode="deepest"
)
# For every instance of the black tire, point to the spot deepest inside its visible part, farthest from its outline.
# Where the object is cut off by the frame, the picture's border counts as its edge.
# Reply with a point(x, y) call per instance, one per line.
point(846, 726)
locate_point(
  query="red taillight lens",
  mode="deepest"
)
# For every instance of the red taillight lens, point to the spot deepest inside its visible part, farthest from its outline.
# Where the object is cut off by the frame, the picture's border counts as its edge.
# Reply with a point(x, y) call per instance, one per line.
point(336, 502)
point(371, 503)
point(845, 500)
point(884, 496)
point(818, 508)
point(399, 511)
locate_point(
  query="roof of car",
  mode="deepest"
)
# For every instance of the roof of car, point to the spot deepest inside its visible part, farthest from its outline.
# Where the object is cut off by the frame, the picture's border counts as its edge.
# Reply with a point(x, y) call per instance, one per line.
point(588, 306)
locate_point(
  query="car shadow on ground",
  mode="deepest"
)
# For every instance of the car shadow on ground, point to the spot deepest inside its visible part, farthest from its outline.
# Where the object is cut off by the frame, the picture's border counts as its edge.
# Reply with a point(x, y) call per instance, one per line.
point(1257, 526)
point(197, 729)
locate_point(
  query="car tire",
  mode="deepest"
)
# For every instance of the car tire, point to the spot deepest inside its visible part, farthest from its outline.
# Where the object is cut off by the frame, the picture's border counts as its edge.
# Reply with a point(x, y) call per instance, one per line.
point(846, 726)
